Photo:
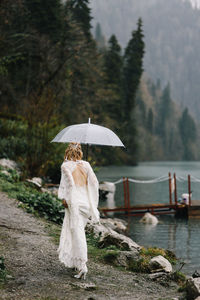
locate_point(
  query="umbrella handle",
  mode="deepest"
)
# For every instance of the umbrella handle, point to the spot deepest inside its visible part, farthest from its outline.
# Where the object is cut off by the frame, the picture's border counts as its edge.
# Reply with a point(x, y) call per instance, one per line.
point(86, 155)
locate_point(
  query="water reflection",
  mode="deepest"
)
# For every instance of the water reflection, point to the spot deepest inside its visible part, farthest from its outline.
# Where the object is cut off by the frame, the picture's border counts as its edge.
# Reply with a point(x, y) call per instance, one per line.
point(180, 236)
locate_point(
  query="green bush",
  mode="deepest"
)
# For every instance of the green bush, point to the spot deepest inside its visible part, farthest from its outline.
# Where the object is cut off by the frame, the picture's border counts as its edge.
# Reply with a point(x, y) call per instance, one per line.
point(43, 204)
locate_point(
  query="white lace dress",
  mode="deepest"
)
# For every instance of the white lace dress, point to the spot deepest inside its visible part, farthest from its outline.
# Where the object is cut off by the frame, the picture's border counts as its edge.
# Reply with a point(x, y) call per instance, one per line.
point(79, 187)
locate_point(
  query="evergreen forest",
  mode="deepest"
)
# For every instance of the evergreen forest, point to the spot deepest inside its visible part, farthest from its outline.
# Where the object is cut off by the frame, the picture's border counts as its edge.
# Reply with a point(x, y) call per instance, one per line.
point(54, 72)
point(171, 38)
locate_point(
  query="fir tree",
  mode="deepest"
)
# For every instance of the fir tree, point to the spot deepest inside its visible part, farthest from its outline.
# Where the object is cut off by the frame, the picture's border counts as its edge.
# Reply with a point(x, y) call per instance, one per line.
point(133, 68)
point(188, 133)
point(45, 17)
point(165, 110)
point(113, 79)
point(99, 37)
point(150, 121)
point(81, 12)
point(113, 62)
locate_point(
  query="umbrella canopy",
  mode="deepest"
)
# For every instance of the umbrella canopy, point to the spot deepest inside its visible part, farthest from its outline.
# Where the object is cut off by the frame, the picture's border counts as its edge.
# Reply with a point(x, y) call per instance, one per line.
point(88, 133)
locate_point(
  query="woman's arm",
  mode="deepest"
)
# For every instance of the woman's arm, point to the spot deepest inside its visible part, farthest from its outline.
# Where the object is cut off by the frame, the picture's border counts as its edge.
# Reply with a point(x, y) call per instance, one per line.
point(66, 185)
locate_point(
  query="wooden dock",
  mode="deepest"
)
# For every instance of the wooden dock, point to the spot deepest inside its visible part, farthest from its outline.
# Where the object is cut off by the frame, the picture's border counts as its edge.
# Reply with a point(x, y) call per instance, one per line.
point(190, 210)
point(139, 210)
point(194, 209)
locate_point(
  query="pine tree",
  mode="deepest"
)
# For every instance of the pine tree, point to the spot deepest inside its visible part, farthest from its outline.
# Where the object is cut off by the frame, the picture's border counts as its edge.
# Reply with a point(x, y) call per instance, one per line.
point(133, 68)
point(45, 17)
point(100, 38)
point(188, 133)
point(113, 64)
point(81, 12)
point(150, 121)
point(165, 111)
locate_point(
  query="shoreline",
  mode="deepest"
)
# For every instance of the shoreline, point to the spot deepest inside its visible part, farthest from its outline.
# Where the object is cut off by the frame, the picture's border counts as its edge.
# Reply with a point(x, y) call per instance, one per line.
point(28, 245)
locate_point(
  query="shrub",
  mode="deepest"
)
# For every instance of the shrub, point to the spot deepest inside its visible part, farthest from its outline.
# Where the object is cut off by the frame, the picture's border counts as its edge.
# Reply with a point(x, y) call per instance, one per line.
point(43, 204)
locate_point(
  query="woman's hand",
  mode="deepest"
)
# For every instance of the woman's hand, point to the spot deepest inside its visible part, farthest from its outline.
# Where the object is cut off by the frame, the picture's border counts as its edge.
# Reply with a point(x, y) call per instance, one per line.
point(64, 203)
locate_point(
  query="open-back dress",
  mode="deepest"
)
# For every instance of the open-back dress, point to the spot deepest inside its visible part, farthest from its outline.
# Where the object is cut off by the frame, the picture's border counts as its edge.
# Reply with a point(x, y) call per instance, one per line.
point(80, 189)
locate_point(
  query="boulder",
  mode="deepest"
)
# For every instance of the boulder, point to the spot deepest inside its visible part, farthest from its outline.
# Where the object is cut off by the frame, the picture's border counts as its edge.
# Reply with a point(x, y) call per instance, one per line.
point(158, 275)
point(159, 263)
point(124, 259)
point(193, 288)
point(196, 274)
point(97, 229)
point(149, 219)
point(36, 181)
point(114, 224)
point(8, 164)
point(119, 240)
point(127, 258)
point(110, 188)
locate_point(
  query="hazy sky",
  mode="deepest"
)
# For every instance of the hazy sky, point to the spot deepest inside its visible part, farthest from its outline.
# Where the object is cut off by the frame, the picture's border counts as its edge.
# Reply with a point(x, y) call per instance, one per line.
point(196, 3)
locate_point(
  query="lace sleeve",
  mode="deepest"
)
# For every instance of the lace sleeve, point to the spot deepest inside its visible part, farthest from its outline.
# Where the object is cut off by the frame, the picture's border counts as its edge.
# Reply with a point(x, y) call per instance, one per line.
point(68, 176)
point(66, 185)
point(93, 186)
point(92, 177)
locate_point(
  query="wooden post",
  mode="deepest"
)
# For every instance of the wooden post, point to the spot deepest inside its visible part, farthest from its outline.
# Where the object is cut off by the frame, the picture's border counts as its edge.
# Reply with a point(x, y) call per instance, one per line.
point(170, 189)
point(125, 192)
point(175, 189)
point(128, 195)
point(189, 190)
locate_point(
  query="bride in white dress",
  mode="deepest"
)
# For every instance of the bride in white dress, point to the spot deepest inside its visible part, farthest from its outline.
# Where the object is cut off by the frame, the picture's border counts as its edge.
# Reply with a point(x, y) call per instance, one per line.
point(79, 191)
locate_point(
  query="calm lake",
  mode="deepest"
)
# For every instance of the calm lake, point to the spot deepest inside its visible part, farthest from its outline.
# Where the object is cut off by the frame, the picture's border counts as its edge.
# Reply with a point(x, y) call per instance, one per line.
point(180, 236)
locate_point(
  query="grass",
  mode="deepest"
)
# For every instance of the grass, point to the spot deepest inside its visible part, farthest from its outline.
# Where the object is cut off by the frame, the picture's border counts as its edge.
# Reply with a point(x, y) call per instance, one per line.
point(151, 252)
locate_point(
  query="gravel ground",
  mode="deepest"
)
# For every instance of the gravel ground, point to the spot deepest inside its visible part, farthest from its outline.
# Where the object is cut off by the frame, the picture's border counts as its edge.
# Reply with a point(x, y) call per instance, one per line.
point(31, 258)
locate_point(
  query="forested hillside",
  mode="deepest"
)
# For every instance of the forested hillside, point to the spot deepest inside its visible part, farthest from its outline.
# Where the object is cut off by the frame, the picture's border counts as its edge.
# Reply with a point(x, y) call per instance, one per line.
point(171, 30)
point(165, 131)
point(54, 74)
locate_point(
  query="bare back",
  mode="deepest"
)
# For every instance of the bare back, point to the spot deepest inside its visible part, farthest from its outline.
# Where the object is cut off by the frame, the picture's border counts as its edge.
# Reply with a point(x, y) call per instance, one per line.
point(79, 175)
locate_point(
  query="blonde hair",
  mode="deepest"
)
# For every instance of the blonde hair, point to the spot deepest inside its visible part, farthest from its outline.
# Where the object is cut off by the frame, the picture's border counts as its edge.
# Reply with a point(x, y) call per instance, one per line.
point(73, 152)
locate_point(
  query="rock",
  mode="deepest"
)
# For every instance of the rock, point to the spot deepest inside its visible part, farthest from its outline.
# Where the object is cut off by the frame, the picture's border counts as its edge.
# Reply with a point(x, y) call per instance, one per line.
point(193, 288)
point(159, 263)
point(126, 258)
point(110, 196)
point(198, 298)
point(97, 229)
point(114, 224)
point(53, 190)
point(86, 286)
point(149, 219)
point(119, 240)
point(8, 163)
point(157, 275)
point(37, 181)
point(196, 274)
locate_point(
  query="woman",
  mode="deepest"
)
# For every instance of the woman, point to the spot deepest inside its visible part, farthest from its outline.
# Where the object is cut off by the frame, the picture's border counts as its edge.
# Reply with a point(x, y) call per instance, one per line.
point(79, 192)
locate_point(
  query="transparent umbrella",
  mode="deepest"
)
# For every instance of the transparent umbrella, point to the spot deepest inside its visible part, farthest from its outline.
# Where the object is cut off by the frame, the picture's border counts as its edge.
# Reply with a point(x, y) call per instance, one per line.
point(89, 134)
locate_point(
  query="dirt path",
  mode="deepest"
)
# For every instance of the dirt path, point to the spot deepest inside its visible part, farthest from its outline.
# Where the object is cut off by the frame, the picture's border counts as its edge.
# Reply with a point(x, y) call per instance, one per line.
point(31, 258)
